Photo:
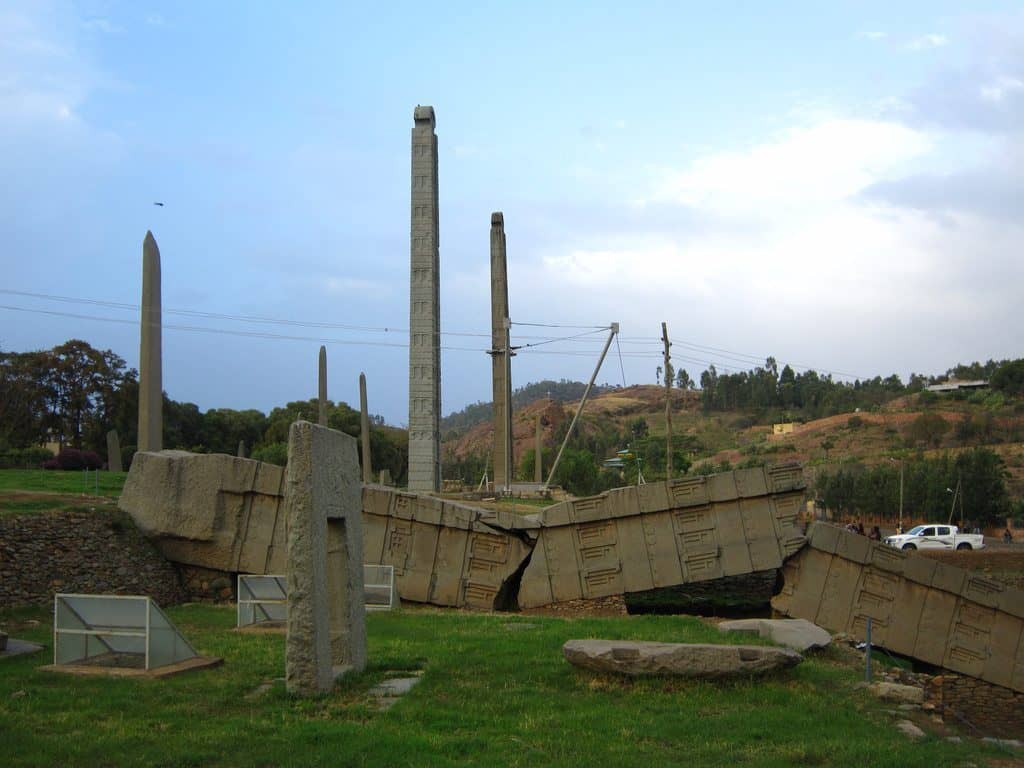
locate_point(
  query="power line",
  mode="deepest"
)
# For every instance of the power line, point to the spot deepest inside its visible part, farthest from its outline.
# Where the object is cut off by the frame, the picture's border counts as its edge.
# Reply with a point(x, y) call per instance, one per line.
point(636, 342)
point(232, 332)
point(281, 321)
point(621, 367)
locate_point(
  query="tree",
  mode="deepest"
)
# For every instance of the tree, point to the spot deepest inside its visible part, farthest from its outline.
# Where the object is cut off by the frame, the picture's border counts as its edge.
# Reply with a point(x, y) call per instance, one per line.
point(827, 445)
point(683, 380)
point(1009, 378)
point(928, 428)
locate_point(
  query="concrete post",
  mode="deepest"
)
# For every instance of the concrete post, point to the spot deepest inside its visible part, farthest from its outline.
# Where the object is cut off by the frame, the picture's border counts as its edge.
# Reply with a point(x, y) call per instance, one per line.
point(151, 397)
point(241, 449)
point(424, 310)
point(364, 430)
point(322, 389)
point(500, 357)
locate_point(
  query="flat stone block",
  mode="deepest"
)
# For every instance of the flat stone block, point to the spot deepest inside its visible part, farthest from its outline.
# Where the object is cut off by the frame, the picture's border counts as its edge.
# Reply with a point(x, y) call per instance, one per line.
point(707, 662)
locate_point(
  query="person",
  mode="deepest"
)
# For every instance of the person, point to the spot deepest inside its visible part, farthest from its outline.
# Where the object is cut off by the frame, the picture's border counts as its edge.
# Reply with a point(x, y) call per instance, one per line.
point(860, 528)
point(1007, 536)
point(876, 534)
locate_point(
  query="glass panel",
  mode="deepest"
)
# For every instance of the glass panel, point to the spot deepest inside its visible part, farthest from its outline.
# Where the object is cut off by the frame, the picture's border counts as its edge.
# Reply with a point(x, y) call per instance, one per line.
point(261, 599)
point(166, 644)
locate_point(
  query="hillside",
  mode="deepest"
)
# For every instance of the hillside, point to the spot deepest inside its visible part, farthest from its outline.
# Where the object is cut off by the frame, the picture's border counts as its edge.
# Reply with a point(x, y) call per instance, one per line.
point(613, 419)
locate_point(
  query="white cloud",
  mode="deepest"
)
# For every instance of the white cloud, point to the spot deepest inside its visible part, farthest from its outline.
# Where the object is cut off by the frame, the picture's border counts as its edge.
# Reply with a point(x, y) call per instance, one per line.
point(795, 254)
point(874, 36)
point(927, 42)
point(805, 166)
point(997, 91)
point(44, 77)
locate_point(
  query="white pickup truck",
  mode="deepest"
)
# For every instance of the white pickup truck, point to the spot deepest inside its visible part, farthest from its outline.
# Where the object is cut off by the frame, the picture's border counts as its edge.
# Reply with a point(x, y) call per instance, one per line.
point(935, 536)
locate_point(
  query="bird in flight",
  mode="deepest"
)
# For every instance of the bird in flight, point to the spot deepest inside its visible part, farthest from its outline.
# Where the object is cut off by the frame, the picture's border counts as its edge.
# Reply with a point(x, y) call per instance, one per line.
point(160, 204)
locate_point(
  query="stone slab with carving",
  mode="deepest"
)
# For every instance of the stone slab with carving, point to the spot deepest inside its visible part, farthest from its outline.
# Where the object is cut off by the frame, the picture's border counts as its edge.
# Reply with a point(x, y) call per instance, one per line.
point(692, 660)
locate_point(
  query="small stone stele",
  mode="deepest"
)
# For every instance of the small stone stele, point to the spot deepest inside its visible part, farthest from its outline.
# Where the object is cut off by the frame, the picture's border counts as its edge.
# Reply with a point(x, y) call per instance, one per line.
point(692, 660)
point(326, 615)
point(113, 451)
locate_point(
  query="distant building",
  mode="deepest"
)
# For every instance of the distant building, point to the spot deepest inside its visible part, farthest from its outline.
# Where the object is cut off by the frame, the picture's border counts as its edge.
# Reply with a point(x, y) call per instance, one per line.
point(953, 385)
point(783, 429)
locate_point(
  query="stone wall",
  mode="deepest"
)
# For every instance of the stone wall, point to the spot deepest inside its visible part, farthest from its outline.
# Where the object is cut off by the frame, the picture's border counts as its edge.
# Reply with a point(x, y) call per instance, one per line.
point(991, 709)
point(90, 551)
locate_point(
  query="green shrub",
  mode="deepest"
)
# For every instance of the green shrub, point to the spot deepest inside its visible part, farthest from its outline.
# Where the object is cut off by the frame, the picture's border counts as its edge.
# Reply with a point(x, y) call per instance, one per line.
point(24, 458)
point(273, 453)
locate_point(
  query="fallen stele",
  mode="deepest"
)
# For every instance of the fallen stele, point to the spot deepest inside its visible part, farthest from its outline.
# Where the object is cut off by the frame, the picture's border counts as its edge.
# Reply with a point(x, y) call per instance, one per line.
point(690, 660)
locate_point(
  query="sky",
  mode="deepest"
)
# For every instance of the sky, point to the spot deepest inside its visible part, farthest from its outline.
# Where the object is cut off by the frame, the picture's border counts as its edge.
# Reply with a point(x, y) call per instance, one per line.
point(838, 185)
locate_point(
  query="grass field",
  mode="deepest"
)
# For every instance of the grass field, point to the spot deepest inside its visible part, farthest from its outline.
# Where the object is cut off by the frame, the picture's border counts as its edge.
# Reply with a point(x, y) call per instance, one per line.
point(30, 491)
point(58, 481)
point(495, 691)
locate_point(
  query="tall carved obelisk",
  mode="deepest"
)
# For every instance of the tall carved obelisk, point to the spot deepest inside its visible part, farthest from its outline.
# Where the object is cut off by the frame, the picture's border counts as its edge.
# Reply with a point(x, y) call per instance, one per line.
point(424, 310)
point(501, 378)
point(151, 397)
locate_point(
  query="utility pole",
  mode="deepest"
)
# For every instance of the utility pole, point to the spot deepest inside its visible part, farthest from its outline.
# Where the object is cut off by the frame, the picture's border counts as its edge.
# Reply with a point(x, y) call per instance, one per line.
point(668, 400)
point(614, 329)
point(899, 526)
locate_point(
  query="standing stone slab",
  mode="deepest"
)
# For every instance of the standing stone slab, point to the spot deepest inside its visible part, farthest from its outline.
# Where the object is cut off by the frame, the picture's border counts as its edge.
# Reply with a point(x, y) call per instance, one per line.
point(322, 388)
point(326, 612)
point(151, 399)
point(113, 451)
point(241, 449)
point(364, 431)
point(424, 310)
point(500, 378)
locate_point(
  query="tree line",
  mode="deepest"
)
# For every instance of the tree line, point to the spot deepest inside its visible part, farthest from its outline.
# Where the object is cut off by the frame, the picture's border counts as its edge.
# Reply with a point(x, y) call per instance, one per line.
point(974, 479)
point(73, 394)
point(812, 395)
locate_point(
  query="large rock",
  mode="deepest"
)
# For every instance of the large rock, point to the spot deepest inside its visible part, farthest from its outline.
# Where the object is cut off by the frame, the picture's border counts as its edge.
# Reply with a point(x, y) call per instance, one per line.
point(210, 510)
point(900, 694)
point(707, 662)
point(798, 634)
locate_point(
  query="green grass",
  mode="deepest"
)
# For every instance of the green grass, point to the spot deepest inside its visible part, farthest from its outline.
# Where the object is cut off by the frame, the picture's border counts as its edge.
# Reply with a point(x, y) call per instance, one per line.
point(58, 481)
point(41, 504)
point(489, 696)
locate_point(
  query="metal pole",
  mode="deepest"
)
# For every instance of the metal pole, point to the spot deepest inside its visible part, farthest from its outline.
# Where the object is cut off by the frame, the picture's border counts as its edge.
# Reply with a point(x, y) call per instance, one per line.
point(867, 654)
point(554, 467)
point(900, 529)
point(668, 401)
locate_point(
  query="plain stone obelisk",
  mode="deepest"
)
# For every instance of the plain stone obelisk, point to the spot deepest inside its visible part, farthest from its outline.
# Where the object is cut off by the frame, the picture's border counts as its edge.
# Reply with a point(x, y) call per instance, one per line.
point(424, 310)
point(364, 430)
point(113, 451)
point(500, 361)
point(322, 391)
point(151, 398)
point(538, 454)
point(241, 449)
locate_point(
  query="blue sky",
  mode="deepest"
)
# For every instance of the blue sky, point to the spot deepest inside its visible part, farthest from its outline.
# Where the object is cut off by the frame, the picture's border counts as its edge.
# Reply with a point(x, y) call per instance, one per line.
point(837, 185)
